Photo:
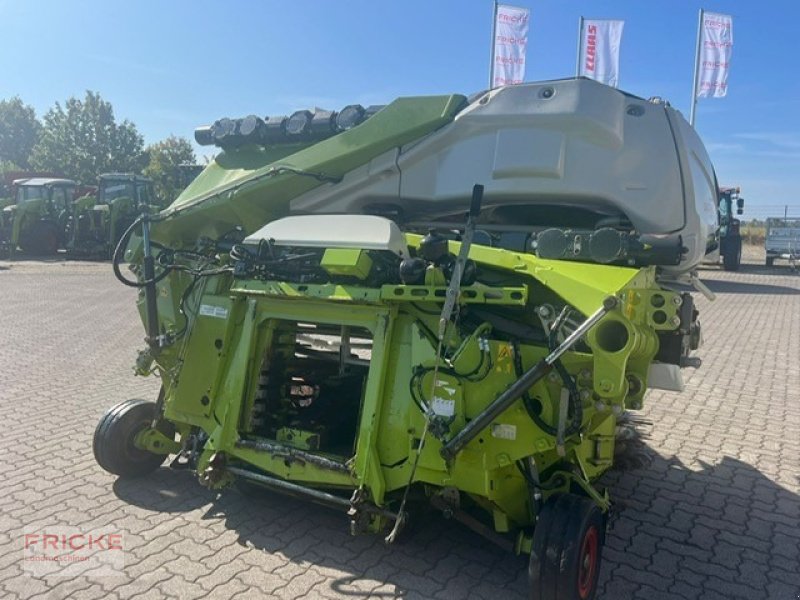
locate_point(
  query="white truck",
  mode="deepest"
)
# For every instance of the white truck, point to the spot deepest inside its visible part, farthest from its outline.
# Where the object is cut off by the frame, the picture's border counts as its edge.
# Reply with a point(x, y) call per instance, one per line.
point(782, 240)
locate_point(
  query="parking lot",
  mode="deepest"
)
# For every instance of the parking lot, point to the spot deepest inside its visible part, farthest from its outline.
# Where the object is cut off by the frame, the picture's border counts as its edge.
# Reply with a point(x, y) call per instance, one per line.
point(707, 494)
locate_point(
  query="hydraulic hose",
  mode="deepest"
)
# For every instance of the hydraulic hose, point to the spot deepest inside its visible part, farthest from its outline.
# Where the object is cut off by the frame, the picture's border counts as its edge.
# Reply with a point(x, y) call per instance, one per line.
point(522, 384)
point(116, 259)
point(575, 405)
point(527, 401)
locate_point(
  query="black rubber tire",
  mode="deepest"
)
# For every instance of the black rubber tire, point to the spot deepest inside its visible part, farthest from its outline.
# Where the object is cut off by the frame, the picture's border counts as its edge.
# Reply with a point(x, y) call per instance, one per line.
point(113, 439)
point(770, 261)
point(41, 240)
point(567, 547)
point(733, 259)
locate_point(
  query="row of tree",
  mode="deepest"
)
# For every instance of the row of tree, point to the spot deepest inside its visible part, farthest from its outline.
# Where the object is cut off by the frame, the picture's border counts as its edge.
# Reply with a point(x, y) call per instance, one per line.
point(83, 139)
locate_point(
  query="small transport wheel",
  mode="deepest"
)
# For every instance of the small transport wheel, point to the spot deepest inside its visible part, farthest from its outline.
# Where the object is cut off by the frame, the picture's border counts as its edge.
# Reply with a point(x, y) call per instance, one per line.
point(770, 260)
point(567, 543)
point(113, 439)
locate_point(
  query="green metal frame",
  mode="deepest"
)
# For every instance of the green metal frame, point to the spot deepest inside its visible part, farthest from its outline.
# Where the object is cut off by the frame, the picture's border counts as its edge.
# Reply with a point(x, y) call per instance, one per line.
point(209, 378)
point(210, 367)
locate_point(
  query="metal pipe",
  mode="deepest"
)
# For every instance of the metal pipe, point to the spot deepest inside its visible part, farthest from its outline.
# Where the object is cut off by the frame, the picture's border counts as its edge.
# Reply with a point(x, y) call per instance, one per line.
point(580, 47)
point(518, 388)
point(466, 242)
point(492, 47)
point(696, 68)
point(294, 488)
point(327, 498)
point(148, 264)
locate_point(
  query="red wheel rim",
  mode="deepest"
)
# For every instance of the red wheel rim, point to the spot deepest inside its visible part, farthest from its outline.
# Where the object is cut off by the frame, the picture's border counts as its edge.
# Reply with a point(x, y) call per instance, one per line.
point(588, 562)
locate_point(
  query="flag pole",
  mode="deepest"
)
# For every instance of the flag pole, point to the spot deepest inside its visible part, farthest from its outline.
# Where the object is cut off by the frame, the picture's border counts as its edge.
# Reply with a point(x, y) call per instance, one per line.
point(492, 46)
point(580, 44)
point(696, 68)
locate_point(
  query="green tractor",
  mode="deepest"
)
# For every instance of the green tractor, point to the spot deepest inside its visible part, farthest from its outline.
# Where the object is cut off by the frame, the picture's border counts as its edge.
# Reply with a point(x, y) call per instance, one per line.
point(444, 302)
point(730, 237)
point(38, 219)
point(98, 222)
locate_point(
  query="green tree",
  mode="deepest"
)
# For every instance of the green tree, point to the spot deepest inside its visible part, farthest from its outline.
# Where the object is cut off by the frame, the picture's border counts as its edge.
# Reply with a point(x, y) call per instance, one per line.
point(82, 139)
point(166, 157)
point(19, 131)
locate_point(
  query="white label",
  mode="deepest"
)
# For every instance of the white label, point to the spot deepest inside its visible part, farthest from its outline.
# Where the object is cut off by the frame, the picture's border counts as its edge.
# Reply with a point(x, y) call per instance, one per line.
point(504, 432)
point(209, 310)
point(443, 407)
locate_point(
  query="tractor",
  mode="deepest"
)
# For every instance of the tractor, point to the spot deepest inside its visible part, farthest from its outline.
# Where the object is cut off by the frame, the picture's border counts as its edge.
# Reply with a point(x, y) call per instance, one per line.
point(98, 222)
point(730, 238)
point(38, 219)
point(445, 303)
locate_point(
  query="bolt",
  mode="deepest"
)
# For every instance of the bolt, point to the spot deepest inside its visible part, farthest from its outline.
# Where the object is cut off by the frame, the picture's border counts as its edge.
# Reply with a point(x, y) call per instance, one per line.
point(599, 406)
point(585, 374)
point(585, 395)
point(676, 320)
point(606, 385)
point(553, 377)
point(617, 410)
point(677, 300)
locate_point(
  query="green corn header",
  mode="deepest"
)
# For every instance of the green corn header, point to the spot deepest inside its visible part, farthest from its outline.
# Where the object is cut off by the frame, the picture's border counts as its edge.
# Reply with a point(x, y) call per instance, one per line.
point(362, 309)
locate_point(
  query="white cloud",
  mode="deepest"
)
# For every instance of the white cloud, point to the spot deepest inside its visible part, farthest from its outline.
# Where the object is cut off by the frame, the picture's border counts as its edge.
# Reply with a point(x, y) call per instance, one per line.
point(727, 147)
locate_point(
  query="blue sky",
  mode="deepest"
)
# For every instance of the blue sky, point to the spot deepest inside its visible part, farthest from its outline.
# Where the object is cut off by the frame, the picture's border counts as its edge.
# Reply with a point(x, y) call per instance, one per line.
point(170, 66)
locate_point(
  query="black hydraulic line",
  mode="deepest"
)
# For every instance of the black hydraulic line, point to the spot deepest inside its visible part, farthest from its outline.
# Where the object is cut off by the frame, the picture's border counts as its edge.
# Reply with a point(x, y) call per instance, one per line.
point(516, 389)
point(491, 412)
point(509, 327)
point(182, 305)
point(116, 259)
point(575, 404)
point(527, 401)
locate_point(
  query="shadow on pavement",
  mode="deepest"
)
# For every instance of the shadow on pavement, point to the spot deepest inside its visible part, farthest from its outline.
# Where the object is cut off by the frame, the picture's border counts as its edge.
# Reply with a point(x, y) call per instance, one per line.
point(725, 529)
point(778, 269)
point(164, 490)
point(702, 530)
point(722, 286)
point(25, 257)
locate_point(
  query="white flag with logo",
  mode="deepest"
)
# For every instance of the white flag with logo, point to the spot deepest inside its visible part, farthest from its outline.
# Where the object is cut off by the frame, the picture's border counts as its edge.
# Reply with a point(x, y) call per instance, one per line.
point(599, 50)
point(510, 42)
point(716, 47)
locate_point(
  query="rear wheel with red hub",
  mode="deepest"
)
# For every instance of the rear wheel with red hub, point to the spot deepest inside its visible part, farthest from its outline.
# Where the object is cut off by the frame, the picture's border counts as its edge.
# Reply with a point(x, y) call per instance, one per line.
point(567, 543)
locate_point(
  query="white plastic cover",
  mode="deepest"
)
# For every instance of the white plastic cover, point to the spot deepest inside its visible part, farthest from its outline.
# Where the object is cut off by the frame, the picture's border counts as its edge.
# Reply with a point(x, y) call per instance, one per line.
point(663, 376)
point(334, 231)
point(574, 142)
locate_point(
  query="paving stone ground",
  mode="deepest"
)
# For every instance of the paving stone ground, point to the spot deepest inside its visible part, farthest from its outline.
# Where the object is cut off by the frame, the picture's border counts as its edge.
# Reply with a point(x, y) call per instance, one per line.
point(708, 498)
